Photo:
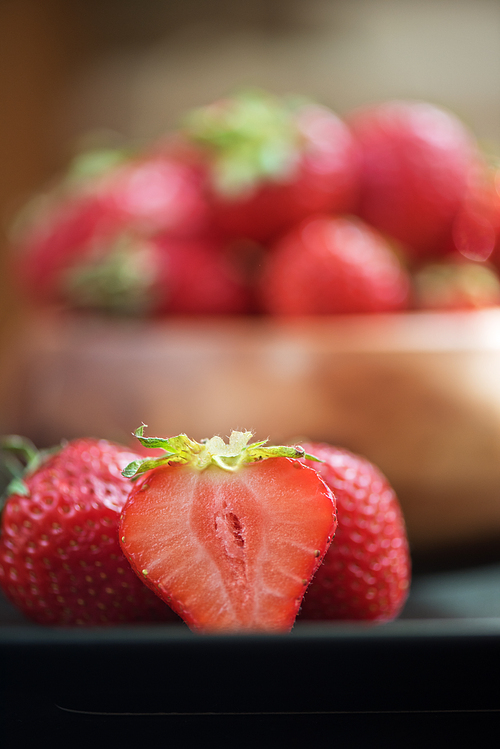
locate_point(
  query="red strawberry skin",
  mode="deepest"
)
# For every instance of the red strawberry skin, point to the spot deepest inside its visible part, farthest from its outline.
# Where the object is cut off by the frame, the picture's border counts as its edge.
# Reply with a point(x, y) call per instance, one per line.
point(455, 283)
point(60, 558)
point(332, 265)
point(229, 551)
point(200, 276)
point(475, 232)
point(156, 276)
point(365, 574)
point(320, 171)
point(415, 165)
point(153, 194)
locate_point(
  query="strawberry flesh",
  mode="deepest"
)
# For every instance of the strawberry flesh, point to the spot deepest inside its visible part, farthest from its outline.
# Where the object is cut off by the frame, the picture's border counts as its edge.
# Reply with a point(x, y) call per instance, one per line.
point(230, 551)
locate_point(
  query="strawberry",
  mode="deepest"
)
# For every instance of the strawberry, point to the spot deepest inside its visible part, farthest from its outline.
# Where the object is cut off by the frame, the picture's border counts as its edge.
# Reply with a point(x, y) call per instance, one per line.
point(332, 265)
point(273, 161)
point(416, 160)
point(229, 535)
point(60, 559)
point(158, 192)
point(152, 276)
point(475, 231)
point(365, 574)
point(455, 283)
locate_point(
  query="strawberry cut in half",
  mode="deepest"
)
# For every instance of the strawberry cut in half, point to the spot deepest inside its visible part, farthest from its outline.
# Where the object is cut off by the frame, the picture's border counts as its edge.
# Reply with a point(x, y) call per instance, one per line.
point(229, 535)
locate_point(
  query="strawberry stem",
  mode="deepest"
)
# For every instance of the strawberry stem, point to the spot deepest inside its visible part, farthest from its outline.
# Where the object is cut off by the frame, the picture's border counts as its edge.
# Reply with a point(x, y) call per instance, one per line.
point(228, 456)
point(19, 458)
point(251, 137)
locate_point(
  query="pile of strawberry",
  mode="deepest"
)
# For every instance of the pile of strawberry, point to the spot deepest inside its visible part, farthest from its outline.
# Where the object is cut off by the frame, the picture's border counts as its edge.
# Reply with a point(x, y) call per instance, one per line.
point(227, 537)
point(262, 204)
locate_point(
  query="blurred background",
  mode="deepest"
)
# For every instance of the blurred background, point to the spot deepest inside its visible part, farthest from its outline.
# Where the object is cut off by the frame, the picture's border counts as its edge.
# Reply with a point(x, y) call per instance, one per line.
point(133, 67)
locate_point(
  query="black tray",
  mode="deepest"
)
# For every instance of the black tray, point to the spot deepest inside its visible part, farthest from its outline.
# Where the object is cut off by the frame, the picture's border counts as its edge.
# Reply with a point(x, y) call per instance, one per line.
point(432, 673)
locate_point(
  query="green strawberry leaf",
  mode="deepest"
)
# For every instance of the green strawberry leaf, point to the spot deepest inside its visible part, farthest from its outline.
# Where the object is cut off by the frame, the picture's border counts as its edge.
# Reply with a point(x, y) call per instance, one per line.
point(228, 456)
point(250, 137)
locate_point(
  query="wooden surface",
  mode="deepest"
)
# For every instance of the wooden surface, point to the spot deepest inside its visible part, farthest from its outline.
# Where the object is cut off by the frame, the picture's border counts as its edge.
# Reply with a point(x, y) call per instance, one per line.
point(418, 394)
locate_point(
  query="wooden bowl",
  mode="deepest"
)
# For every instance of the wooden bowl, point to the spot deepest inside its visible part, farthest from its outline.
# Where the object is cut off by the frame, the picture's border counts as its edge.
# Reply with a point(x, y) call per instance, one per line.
point(417, 393)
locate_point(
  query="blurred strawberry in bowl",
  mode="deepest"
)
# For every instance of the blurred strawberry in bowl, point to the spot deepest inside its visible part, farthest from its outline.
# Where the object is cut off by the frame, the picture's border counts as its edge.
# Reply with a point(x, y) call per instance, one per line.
point(416, 162)
point(456, 283)
point(475, 231)
point(333, 265)
point(102, 196)
point(272, 161)
point(151, 276)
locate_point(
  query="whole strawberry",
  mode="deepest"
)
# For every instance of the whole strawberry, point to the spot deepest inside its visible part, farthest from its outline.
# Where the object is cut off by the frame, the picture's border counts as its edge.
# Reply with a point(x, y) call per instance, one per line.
point(273, 161)
point(365, 574)
point(456, 283)
point(416, 160)
point(153, 276)
point(82, 216)
point(60, 559)
point(332, 265)
point(229, 535)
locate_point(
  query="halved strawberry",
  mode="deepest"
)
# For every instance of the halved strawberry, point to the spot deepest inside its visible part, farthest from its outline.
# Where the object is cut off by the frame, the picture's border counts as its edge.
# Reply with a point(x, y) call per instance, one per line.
point(229, 535)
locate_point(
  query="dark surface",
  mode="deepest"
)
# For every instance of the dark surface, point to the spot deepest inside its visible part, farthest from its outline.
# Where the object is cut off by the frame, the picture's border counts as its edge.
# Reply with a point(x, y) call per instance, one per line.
point(427, 678)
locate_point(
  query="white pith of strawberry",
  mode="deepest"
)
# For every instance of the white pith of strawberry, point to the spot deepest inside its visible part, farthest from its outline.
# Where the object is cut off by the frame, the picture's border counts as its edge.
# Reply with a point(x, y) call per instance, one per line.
point(60, 558)
point(273, 161)
point(366, 572)
point(229, 535)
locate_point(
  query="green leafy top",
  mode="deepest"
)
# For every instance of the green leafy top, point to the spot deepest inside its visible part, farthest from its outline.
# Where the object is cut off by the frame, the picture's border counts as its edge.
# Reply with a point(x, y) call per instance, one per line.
point(251, 137)
point(199, 455)
point(19, 458)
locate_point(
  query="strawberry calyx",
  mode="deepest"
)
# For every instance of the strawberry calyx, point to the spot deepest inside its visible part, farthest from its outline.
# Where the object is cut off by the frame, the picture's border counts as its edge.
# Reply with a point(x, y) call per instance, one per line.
point(250, 137)
point(117, 276)
point(94, 163)
point(456, 284)
point(19, 459)
point(228, 456)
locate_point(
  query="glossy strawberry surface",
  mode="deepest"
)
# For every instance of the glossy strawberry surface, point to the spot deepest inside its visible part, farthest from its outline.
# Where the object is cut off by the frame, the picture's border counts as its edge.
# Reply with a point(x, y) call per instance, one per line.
point(229, 551)
point(365, 574)
point(416, 160)
point(331, 266)
point(60, 559)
